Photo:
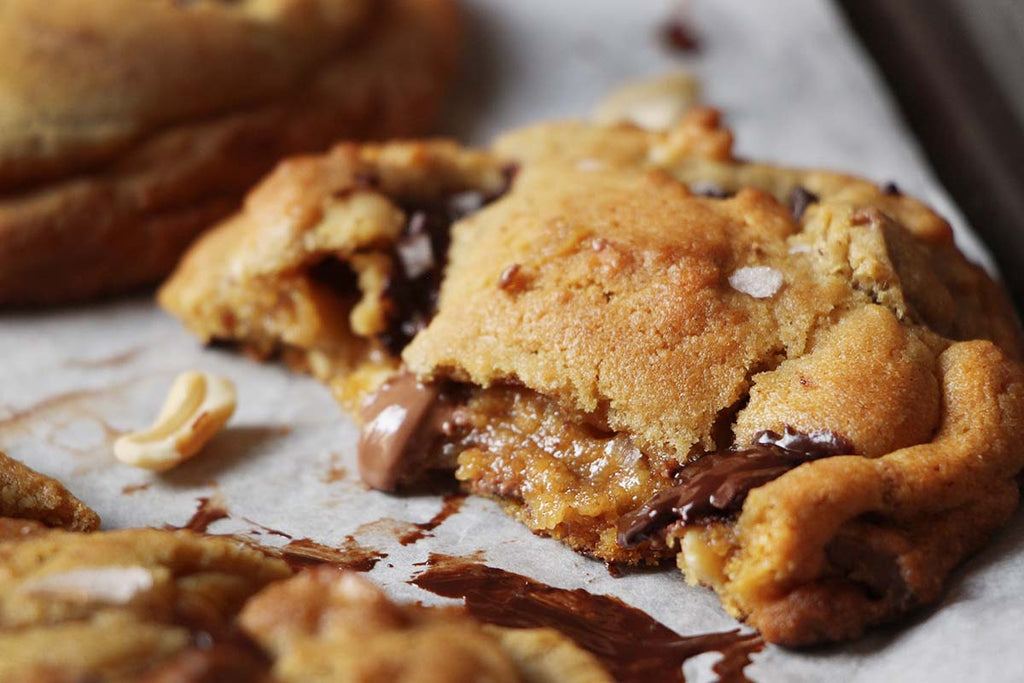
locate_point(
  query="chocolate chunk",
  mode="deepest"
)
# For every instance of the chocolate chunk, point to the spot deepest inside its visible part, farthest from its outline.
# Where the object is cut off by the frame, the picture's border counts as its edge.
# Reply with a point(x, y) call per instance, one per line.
point(892, 189)
point(678, 36)
point(711, 190)
point(509, 279)
point(718, 483)
point(402, 423)
point(799, 199)
point(875, 569)
point(413, 288)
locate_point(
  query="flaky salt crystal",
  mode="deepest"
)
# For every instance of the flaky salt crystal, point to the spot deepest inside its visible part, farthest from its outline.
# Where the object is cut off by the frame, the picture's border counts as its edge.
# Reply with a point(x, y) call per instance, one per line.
point(759, 282)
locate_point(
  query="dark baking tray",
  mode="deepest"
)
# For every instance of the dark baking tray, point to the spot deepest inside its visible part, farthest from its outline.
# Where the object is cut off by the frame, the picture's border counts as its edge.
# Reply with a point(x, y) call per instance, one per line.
point(957, 70)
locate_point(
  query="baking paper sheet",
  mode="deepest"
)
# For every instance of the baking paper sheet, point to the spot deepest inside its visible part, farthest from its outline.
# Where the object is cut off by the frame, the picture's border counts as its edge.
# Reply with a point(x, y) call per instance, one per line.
point(796, 88)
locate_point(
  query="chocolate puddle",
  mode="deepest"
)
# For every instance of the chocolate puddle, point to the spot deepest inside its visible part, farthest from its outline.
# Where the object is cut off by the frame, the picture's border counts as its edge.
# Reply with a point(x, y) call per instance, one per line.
point(450, 504)
point(630, 644)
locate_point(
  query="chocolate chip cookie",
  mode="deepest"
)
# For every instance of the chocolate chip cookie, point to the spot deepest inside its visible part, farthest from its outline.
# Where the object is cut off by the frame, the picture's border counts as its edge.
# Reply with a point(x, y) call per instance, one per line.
point(129, 127)
point(790, 381)
point(328, 625)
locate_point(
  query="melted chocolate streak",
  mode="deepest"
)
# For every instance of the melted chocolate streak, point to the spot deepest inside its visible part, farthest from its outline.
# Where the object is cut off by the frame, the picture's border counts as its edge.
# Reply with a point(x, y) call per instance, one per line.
point(630, 644)
point(298, 552)
point(449, 506)
point(420, 258)
point(718, 483)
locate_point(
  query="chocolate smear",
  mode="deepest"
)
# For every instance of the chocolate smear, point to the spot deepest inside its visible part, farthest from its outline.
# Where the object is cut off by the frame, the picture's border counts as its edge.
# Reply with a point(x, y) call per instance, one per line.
point(303, 552)
point(716, 485)
point(799, 199)
point(402, 423)
point(630, 644)
point(209, 509)
point(450, 504)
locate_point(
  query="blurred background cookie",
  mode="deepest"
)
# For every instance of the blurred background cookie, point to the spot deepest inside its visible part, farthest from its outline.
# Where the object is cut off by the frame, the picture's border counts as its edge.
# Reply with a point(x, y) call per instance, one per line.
point(128, 127)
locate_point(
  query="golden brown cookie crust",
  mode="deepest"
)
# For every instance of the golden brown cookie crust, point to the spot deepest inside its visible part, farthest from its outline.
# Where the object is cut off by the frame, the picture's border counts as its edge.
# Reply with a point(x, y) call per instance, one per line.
point(328, 625)
point(115, 605)
point(103, 211)
point(29, 496)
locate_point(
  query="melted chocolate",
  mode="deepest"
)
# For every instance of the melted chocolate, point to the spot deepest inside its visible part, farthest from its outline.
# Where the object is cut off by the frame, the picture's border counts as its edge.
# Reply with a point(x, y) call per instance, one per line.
point(419, 259)
point(628, 642)
point(449, 506)
point(402, 423)
point(208, 511)
point(303, 552)
point(718, 483)
point(799, 199)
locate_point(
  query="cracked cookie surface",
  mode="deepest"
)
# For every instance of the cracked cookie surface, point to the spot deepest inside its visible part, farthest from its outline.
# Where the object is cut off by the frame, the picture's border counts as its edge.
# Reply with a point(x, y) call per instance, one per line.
point(173, 110)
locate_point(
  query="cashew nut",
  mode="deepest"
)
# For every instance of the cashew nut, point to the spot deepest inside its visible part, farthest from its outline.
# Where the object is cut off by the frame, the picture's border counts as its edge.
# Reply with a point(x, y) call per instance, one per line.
point(196, 408)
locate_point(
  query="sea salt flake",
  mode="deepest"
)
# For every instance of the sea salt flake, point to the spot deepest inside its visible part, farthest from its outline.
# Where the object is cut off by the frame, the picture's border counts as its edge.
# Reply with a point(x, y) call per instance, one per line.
point(759, 282)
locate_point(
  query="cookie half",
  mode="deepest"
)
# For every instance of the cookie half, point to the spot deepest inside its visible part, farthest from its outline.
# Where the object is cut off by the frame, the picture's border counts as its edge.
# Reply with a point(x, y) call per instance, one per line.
point(173, 110)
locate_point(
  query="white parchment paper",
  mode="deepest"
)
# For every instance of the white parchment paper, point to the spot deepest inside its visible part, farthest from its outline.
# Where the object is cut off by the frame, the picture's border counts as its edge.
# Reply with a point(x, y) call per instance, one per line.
point(796, 88)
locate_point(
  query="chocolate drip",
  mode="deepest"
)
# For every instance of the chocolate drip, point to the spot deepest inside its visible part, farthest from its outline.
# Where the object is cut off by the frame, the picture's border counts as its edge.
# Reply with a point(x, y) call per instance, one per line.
point(630, 644)
point(208, 511)
point(450, 505)
point(402, 423)
point(419, 259)
point(718, 483)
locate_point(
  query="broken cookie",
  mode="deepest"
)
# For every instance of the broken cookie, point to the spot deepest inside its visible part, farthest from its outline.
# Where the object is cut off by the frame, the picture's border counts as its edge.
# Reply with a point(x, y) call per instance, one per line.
point(791, 381)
